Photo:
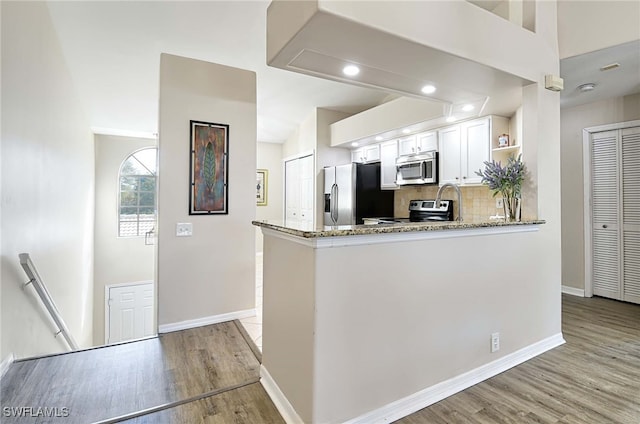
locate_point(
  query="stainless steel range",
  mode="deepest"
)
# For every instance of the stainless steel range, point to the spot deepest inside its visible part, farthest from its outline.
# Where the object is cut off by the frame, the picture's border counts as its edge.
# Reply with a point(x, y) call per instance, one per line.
point(426, 210)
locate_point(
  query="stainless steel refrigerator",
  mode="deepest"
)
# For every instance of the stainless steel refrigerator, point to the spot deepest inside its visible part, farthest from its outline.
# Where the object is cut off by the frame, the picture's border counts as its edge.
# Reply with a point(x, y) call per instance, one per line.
point(352, 192)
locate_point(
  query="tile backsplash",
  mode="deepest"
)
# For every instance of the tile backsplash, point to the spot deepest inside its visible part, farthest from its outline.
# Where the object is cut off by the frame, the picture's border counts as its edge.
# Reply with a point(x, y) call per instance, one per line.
point(478, 204)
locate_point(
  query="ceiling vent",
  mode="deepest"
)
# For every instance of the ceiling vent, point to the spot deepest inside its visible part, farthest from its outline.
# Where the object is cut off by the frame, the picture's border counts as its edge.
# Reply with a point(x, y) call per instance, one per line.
point(610, 66)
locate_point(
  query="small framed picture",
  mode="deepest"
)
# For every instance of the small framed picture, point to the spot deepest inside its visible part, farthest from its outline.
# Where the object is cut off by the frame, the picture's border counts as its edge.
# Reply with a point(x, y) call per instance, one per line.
point(261, 187)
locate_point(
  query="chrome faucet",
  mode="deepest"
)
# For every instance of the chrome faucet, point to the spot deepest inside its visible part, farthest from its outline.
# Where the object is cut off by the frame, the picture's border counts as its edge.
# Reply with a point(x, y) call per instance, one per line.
point(457, 188)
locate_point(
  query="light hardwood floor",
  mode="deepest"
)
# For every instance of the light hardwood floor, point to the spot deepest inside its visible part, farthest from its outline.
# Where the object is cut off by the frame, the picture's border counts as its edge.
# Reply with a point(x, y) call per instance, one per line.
point(592, 379)
point(212, 377)
point(113, 381)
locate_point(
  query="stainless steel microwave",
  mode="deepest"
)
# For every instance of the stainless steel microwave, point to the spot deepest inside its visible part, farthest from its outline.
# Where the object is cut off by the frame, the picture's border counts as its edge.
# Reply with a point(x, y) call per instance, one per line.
point(420, 168)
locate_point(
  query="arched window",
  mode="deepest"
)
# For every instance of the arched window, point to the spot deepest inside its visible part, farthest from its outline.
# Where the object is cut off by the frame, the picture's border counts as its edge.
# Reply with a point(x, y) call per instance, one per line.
point(137, 193)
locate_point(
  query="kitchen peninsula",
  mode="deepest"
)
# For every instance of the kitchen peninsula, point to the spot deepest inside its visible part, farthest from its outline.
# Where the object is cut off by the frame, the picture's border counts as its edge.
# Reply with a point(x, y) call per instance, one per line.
point(370, 323)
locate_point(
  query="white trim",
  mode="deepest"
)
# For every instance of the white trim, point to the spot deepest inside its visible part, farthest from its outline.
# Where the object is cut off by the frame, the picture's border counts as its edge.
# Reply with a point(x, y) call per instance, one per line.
point(5, 364)
point(379, 238)
point(259, 253)
point(124, 133)
point(107, 310)
point(573, 291)
point(299, 155)
point(587, 204)
point(280, 401)
point(412, 403)
point(616, 126)
point(199, 322)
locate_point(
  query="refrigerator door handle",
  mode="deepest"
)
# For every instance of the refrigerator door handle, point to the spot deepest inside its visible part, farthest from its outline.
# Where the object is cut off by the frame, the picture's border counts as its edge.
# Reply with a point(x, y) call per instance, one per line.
point(337, 202)
point(334, 203)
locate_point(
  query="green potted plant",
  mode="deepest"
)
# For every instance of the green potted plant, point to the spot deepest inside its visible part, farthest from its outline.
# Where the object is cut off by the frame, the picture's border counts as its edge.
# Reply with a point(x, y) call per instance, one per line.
point(507, 181)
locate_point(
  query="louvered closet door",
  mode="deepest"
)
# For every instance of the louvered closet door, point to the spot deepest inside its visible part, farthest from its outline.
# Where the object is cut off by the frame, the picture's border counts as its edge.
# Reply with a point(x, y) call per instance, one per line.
point(631, 214)
point(605, 195)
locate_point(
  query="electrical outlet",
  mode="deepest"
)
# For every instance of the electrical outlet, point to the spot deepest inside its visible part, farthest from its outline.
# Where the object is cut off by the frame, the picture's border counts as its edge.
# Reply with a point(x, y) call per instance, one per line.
point(495, 342)
point(499, 203)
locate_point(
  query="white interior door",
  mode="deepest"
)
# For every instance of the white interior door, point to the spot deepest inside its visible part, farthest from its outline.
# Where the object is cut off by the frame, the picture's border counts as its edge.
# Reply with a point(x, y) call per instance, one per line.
point(130, 312)
point(615, 213)
point(306, 189)
point(299, 189)
point(604, 190)
point(630, 146)
point(292, 190)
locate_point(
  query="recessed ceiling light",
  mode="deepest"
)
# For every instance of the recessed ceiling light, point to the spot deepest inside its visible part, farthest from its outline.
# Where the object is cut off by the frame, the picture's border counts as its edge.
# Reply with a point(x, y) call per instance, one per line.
point(354, 144)
point(379, 138)
point(587, 87)
point(451, 118)
point(467, 108)
point(406, 131)
point(428, 89)
point(351, 70)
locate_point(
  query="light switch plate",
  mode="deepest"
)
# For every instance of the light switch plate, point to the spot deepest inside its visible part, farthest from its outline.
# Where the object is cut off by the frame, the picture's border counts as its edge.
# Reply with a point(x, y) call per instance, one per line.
point(184, 229)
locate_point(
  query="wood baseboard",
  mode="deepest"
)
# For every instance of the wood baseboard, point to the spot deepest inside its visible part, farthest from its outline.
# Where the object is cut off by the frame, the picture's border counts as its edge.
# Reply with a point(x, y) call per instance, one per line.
point(281, 402)
point(200, 322)
point(573, 291)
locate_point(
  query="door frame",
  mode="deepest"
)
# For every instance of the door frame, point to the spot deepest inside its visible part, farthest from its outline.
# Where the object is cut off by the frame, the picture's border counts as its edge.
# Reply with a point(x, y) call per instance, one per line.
point(588, 200)
point(107, 310)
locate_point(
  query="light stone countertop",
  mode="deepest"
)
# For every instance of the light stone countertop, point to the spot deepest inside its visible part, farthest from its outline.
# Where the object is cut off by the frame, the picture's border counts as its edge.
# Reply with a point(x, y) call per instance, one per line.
point(308, 231)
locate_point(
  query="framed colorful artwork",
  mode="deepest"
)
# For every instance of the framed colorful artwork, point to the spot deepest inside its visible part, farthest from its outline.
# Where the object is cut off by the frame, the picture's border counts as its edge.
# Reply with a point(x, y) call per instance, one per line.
point(209, 169)
point(262, 176)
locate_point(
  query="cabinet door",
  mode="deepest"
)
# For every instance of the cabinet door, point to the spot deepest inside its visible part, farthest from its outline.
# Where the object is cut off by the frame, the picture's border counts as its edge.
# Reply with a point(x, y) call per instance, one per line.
point(388, 156)
point(372, 153)
point(427, 142)
point(357, 155)
point(449, 155)
point(407, 145)
point(476, 148)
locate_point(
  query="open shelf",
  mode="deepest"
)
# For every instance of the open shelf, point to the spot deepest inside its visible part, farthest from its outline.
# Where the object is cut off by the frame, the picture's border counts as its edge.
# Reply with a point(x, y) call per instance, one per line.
point(506, 149)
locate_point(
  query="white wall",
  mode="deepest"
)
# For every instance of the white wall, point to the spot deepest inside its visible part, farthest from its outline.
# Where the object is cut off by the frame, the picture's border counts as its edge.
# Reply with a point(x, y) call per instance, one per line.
point(586, 26)
point(47, 185)
point(269, 157)
point(573, 121)
point(212, 272)
point(116, 259)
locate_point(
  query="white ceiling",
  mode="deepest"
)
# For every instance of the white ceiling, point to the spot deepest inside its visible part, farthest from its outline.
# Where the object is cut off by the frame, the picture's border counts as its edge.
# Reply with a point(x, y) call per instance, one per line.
point(585, 69)
point(113, 48)
point(113, 51)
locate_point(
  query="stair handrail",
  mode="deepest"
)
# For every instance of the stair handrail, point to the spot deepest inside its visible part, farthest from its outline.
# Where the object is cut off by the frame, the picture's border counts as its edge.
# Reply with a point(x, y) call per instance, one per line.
point(45, 297)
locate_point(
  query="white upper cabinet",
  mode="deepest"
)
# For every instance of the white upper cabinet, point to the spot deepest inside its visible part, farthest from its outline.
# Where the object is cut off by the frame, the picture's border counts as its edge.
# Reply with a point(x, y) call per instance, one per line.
point(388, 156)
point(407, 145)
point(364, 154)
point(475, 149)
point(449, 155)
point(465, 147)
point(427, 142)
point(423, 142)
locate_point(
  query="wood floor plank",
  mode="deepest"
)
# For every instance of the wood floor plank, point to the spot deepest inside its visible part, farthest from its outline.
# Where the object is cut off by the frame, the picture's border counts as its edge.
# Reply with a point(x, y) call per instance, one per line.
point(115, 380)
point(593, 378)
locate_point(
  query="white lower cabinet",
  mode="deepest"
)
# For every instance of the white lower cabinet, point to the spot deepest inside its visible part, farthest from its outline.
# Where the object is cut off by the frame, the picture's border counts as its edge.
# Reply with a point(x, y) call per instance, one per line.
point(388, 156)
